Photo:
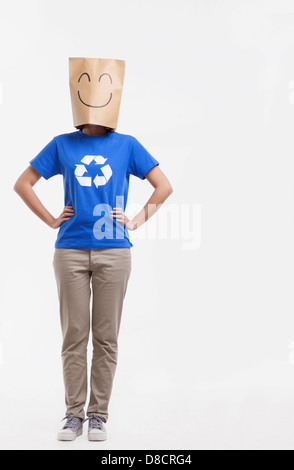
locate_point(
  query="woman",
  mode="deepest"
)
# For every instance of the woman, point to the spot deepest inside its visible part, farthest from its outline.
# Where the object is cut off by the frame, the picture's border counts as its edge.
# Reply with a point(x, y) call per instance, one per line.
point(92, 250)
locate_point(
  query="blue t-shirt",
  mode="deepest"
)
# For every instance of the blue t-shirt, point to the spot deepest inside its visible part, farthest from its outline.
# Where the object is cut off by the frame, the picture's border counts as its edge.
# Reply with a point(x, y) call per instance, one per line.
point(96, 172)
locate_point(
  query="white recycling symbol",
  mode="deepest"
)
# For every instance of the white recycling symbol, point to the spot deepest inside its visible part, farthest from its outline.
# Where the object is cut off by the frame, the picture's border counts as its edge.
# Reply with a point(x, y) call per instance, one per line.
point(98, 180)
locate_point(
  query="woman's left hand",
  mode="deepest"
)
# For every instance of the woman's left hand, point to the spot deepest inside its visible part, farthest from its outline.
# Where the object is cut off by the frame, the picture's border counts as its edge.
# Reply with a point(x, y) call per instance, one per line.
point(119, 215)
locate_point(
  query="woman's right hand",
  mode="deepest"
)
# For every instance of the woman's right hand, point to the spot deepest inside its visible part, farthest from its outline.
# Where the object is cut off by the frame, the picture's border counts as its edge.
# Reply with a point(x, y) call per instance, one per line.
point(66, 214)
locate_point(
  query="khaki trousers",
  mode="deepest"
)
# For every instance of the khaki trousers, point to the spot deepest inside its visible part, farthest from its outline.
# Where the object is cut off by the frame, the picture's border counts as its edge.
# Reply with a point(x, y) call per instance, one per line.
point(107, 270)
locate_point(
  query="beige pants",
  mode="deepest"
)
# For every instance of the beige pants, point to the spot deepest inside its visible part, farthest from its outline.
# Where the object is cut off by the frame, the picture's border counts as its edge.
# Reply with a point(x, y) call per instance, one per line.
point(108, 271)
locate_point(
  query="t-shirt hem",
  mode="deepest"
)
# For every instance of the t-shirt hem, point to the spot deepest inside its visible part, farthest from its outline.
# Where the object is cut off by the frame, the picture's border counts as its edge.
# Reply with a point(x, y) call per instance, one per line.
point(142, 176)
point(88, 245)
point(40, 170)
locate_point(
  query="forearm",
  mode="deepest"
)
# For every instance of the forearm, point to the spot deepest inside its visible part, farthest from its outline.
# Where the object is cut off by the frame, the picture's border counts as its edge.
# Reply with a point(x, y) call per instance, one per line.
point(28, 195)
point(159, 195)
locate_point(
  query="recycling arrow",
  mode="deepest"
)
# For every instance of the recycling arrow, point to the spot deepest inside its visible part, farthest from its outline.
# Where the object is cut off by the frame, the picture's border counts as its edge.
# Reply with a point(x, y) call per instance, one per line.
point(83, 180)
point(102, 180)
point(98, 180)
point(87, 159)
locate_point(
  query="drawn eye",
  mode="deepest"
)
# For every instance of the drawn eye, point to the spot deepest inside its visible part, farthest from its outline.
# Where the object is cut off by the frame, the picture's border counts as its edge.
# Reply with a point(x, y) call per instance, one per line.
point(85, 73)
point(107, 75)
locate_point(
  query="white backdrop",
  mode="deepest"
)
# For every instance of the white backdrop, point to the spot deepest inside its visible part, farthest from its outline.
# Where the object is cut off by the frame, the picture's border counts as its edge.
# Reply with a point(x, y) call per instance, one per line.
point(206, 344)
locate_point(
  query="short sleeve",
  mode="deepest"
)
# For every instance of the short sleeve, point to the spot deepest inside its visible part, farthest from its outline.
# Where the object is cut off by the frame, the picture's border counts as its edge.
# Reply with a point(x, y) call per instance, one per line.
point(47, 161)
point(140, 160)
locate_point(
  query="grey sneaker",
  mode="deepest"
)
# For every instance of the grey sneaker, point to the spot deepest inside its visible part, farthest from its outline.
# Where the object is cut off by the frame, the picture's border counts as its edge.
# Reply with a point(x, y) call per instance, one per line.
point(96, 430)
point(72, 428)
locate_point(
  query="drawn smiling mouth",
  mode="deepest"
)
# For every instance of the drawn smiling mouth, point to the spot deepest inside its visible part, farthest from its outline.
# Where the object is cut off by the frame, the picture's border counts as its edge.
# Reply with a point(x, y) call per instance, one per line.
point(90, 105)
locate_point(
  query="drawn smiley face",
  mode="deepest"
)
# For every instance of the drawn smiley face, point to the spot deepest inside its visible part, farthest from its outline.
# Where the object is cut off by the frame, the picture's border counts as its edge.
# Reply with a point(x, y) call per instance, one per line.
point(85, 74)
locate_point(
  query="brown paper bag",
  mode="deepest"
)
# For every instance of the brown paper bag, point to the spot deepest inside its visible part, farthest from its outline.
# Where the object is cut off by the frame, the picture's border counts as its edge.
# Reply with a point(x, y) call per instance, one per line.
point(96, 88)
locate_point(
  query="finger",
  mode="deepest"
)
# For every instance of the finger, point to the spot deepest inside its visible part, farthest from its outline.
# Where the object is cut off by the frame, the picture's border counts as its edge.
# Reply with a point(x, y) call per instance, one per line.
point(68, 212)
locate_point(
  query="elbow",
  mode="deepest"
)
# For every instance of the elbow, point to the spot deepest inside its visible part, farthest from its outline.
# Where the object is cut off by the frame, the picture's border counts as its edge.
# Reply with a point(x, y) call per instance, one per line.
point(17, 186)
point(165, 189)
point(169, 190)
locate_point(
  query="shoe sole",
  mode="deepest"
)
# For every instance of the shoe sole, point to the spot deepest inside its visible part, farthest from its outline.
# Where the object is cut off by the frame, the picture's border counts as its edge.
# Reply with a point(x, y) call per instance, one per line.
point(70, 436)
point(97, 437)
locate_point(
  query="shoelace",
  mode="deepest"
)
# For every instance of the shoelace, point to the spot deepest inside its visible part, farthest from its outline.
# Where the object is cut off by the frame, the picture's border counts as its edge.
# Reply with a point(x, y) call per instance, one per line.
point(94, 421)
point(71, 422)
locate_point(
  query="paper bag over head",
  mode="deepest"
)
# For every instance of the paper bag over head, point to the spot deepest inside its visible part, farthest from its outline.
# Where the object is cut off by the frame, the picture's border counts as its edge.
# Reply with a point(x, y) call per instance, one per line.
point(96, 89)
